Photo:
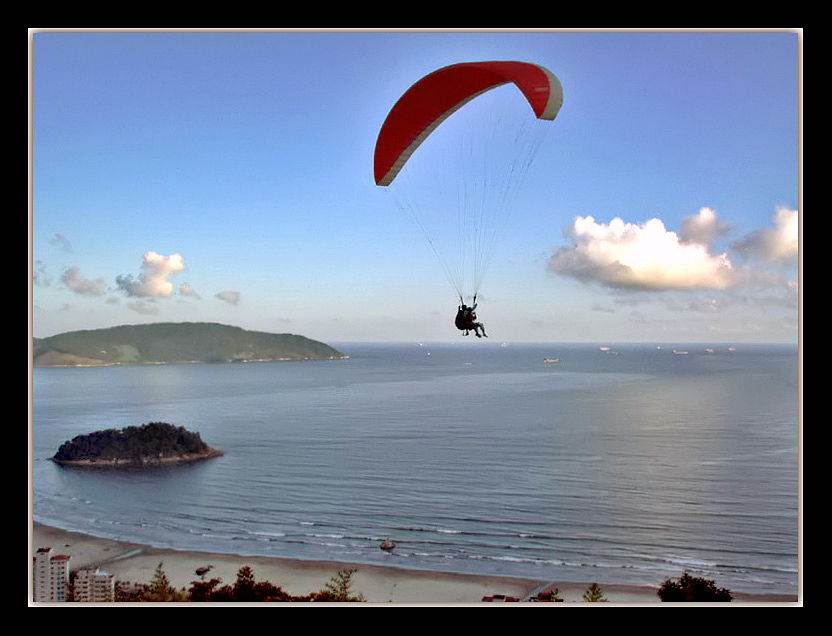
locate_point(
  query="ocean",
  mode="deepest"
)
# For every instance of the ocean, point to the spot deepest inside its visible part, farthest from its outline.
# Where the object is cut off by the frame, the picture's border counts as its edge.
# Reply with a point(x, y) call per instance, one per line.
point(564, 462)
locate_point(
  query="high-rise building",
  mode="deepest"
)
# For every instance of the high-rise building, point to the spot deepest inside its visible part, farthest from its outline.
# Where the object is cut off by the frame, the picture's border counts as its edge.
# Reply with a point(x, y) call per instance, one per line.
point(93, 586)
point(50, 576)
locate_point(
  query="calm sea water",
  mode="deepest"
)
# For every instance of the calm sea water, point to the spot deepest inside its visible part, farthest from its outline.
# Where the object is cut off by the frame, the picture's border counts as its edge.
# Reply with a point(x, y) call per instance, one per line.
point(627, 466)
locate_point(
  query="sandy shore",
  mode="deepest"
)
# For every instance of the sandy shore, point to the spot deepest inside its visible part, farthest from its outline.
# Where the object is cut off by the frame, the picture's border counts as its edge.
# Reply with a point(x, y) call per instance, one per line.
point(377, 584)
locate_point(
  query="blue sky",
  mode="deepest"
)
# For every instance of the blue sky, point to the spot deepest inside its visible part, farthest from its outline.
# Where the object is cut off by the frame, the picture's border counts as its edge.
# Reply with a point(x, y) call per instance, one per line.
point(227, 177)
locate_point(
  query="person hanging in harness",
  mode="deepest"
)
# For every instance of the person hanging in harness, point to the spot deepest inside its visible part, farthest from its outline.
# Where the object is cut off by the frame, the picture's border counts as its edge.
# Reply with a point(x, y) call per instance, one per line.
point(466, 320)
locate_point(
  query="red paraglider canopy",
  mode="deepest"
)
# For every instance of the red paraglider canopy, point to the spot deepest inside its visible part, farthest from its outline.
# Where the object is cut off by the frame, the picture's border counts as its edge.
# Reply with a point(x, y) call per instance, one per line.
point(436, 96)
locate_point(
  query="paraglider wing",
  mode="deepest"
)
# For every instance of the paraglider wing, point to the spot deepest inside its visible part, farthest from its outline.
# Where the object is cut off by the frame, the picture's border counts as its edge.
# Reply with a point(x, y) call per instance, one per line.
point(436, 96)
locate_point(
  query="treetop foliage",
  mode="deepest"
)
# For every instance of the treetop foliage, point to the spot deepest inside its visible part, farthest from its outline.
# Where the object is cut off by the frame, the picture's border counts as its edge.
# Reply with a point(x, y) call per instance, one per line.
point(246, 589)
point(692, 589)
point(148, 441)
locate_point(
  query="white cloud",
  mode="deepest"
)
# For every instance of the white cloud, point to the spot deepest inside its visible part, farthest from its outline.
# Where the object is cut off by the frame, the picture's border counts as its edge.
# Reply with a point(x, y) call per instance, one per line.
point(186, 289)
point(778, 244)
point(230, 297)
point(644, 256)
point(153, 281)
point(73, 280)
point(703, 227)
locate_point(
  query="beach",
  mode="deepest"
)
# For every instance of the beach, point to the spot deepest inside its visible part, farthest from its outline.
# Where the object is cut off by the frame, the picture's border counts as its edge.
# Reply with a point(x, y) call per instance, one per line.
point(376, 584)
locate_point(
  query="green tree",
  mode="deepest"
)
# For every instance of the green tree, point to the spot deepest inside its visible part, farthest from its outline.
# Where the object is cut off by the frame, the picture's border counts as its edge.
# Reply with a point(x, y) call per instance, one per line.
point(160, 589)
point(339, 589)
point(692, 589)
point(244, 587)
point(594, 594)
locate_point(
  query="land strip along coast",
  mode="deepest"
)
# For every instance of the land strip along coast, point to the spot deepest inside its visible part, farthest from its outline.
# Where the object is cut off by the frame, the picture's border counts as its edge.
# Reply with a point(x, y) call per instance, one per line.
point(136, 563)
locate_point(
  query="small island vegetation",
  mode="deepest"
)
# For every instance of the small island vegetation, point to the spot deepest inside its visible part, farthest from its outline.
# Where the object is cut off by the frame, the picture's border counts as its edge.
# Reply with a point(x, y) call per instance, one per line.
point(157, 443)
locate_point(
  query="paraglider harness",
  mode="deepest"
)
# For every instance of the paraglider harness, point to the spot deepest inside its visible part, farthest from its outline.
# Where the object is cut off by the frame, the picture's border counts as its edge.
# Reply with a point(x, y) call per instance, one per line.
point(466, 319)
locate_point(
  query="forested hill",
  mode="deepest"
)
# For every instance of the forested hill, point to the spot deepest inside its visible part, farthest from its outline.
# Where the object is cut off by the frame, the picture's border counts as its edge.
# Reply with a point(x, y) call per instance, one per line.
point(151, 444)
point(161, 343)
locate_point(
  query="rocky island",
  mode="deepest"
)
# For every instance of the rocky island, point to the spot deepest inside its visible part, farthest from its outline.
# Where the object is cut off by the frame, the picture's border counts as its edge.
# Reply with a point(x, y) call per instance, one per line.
point(149, 445)
point(174, 343)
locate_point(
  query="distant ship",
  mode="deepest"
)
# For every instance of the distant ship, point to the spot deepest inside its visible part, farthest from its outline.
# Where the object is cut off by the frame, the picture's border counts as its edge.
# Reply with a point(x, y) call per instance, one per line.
point(551, 360)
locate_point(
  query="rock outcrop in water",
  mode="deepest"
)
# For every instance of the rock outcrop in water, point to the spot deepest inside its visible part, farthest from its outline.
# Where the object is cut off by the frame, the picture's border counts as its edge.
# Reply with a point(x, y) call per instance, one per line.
point(149, 445)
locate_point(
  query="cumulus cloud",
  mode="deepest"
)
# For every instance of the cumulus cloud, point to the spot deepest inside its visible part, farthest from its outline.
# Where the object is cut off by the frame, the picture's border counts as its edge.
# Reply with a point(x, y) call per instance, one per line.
point(73, 280)
point(778, 244)
point(703, 228)
point(153, 281)
point(646, 256)
point(186, 289)
point(230, 297)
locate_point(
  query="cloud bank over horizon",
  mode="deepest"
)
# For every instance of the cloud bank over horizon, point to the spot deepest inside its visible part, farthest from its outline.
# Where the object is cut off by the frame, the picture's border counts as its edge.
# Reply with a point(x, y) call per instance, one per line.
point(153, 284)
point(650, 257)
point(637, 262)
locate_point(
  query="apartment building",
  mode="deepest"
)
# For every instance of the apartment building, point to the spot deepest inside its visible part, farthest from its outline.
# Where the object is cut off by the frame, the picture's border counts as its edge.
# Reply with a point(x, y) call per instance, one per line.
point(93, 586)
point(50, 576)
